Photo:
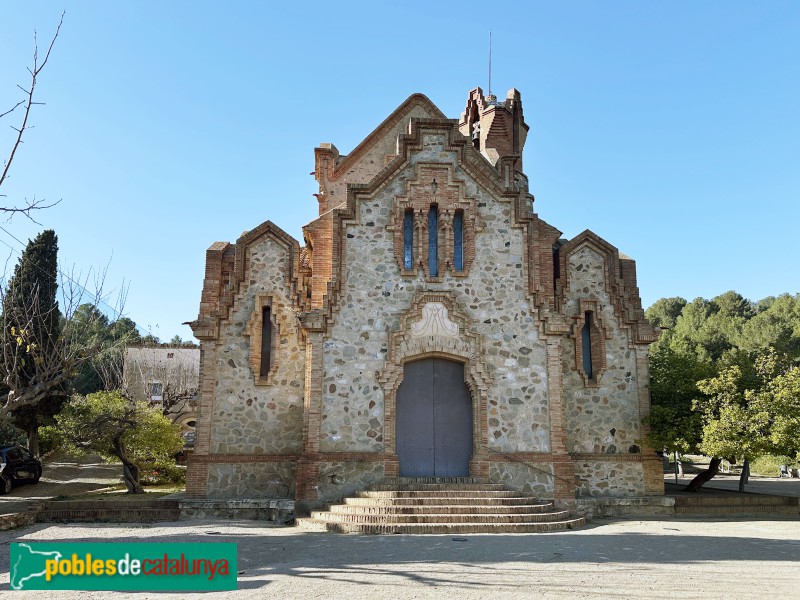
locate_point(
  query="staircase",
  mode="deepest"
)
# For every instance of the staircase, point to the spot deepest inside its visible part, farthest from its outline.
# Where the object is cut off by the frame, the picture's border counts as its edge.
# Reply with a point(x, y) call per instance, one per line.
point(442, 505)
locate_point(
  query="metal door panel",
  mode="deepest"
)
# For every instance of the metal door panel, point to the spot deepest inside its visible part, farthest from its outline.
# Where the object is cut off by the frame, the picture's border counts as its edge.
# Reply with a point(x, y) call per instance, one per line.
point(452, 420)
point(433, 420)
point(414, 414)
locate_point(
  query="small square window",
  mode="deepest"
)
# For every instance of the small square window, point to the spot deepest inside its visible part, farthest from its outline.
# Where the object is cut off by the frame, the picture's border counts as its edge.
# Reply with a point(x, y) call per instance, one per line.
point(156, 391)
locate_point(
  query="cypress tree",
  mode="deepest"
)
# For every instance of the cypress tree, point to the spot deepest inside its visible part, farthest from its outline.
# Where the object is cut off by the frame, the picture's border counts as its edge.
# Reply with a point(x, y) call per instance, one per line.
point(31, 308)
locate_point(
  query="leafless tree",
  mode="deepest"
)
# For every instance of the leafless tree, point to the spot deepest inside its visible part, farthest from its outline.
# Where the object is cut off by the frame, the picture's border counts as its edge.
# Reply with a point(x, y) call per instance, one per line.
point(25, 106)
point(50, 365)
point(178, 376)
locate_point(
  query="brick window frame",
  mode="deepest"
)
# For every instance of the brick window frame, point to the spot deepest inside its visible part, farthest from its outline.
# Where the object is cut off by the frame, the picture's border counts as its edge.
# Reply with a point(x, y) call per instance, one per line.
point(255, 327)
point(435, 185)
point(597, 336)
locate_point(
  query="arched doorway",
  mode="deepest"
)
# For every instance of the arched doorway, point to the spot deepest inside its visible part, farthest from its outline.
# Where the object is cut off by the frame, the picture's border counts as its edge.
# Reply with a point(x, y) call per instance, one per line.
point(433, 420)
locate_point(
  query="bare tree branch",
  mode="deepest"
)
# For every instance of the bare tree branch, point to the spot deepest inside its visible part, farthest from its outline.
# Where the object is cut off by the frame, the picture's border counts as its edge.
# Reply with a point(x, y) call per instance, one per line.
point(13, 108)
point(28, 104)
point(55, 362)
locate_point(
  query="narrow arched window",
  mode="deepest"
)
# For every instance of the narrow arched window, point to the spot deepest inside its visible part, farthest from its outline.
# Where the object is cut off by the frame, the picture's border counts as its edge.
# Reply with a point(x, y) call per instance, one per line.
point(433, 241)
point(458, 240)
point(266, 341)
point(408, 240)
point(586, 344)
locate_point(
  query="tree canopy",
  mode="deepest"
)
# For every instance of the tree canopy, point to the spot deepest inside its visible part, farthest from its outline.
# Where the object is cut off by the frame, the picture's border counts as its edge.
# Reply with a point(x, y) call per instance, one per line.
point(724, 375)
point(133, 433)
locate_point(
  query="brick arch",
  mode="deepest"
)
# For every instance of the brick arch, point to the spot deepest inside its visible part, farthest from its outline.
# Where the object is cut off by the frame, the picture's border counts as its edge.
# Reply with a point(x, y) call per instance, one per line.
point(463, 347)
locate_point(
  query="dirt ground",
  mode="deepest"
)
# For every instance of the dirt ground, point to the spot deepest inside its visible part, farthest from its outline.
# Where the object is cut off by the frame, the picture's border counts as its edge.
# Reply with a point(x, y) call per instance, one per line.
point(63, 476)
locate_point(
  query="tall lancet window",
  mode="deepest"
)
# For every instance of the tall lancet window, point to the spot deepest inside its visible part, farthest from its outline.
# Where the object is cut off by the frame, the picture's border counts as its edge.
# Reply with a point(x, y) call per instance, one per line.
point(586, 345)
point(408, 240)
point(433, 241)
point(266, 341)
point(458, 240)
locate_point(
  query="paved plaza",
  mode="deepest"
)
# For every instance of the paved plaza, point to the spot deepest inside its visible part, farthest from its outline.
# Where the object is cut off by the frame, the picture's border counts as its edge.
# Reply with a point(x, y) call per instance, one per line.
point(741, 556)
point(674, 557)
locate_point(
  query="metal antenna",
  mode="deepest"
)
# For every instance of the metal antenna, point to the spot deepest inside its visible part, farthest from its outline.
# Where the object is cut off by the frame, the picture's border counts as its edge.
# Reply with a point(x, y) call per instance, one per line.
point(490, 62)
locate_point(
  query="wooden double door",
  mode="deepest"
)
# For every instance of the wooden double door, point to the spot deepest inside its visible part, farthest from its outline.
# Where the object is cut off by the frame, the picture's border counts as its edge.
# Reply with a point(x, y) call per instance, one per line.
point(433, 420)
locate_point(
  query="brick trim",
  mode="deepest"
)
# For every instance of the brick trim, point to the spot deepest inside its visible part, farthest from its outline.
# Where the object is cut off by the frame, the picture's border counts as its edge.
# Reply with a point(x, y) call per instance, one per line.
point(598, 333)
point(321, 457)
point(620, 275)
point(244, 458)
point(254, 330)
point(603, 457)
point(555, 395)
point(466, 348)
point(467, 158)
point(450, 196)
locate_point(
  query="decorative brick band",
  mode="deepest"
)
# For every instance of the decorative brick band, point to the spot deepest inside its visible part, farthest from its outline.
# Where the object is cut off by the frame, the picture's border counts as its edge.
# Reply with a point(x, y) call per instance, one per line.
point(243, 458)
point(603, 457)
point(265, 458)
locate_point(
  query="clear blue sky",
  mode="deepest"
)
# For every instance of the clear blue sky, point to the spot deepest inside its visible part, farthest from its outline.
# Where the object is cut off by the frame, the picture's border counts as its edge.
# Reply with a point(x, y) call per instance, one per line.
point(671, 129)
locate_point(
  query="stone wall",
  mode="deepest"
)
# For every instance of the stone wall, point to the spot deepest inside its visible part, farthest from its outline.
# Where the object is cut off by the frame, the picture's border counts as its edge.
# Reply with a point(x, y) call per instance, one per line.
point(251, 480)
point(250, 418)
point(492, 295)
point(340, 479)
point(611, 478)
point(535, 479)
point(601, 418)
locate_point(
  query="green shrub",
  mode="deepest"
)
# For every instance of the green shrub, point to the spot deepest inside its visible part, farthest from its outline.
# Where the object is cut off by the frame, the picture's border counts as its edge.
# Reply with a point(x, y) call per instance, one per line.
point(769, 465)
point(162, 474)
point(10, 434)
point(50, 440)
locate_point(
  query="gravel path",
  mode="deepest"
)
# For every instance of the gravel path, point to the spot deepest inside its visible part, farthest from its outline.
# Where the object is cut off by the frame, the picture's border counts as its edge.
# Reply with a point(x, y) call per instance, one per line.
point(644, 559)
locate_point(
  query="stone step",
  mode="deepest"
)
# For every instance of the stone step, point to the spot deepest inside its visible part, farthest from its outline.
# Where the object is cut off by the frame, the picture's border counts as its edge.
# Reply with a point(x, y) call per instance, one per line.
point(378, 519)
point(458, 509)
point(435, 480)
point(440, 493)
point(439, 528)
point(419, 487)
point(440, 501)
point(434, 505)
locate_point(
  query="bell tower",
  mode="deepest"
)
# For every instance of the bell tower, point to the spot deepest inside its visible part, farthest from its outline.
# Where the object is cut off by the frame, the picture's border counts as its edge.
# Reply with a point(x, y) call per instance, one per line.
point(497, 128)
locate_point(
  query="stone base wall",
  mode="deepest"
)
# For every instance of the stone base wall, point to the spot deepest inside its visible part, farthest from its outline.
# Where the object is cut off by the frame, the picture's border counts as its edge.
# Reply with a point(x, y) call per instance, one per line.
point(280, 512)
point(341, 479)
point(624, 507)
point(535, 479)
point(251, 480)
point(609, 478)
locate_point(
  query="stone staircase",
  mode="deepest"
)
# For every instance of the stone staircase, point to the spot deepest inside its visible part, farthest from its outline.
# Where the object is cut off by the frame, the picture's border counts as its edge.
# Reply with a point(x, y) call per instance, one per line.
point(443, 505)
point(723, 504)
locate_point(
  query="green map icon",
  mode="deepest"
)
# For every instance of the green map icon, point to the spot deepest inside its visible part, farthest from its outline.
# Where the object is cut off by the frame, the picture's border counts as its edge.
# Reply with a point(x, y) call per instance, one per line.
point(28, 564)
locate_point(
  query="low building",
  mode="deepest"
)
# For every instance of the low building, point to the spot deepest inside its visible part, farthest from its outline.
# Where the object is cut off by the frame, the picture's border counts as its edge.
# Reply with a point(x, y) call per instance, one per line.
point(168, 377)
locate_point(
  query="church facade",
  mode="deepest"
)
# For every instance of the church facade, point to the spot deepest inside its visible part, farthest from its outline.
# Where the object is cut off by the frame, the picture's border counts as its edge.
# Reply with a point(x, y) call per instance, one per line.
point(430, 324)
